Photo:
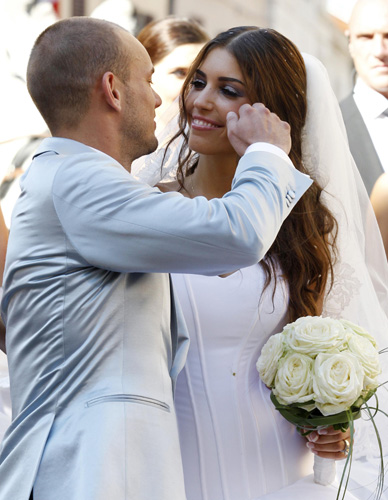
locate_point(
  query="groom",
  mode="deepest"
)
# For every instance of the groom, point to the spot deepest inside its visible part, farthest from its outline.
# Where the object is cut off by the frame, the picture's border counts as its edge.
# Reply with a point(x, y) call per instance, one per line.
point(94, 335)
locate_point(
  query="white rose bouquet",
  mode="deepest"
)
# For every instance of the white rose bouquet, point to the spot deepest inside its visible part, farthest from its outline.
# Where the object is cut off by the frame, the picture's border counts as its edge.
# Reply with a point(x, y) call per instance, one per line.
point(322, 372)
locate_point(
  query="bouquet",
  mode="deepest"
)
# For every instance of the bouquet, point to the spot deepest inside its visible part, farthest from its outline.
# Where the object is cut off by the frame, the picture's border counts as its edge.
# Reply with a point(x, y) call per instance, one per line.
point(322, 372)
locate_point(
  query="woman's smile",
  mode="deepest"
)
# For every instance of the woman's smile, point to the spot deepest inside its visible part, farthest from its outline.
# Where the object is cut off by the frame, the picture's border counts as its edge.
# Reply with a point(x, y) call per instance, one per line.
point(203, 124)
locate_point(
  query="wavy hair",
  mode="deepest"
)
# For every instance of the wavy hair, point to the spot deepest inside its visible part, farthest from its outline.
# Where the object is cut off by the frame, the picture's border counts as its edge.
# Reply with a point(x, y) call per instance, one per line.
point(275, 74)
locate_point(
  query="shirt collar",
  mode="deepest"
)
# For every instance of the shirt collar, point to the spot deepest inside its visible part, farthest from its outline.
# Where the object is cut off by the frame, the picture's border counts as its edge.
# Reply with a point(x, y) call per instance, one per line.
point(63, 146)
point(370, 103)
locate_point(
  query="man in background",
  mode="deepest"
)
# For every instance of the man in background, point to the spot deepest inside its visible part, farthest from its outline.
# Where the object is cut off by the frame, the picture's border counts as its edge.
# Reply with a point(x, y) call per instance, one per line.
point(365, 111)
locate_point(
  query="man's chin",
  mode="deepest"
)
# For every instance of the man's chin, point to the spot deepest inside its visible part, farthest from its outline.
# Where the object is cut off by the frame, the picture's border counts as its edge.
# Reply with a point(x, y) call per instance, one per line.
point(145, 149)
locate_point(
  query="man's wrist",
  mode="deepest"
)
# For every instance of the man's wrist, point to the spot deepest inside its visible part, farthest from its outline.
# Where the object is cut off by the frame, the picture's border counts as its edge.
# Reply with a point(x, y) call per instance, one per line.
point(270, 148)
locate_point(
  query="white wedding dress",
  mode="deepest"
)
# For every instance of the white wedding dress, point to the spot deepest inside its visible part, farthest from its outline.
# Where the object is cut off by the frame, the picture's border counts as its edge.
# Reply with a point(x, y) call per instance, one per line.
point(235, 445)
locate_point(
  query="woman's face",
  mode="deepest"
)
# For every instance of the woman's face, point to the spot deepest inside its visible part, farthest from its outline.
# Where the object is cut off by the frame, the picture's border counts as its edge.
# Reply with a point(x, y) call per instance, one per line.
point(217, 88)
point(171, 71)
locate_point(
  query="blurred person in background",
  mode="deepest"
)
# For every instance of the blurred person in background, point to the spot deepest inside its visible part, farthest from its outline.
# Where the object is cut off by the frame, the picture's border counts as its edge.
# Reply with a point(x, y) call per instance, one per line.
point(365, 110)
point(172, 44)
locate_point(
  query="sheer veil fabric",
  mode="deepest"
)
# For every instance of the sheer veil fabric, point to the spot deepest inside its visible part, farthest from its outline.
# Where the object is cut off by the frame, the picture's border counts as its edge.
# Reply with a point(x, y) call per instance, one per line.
point(359, 289)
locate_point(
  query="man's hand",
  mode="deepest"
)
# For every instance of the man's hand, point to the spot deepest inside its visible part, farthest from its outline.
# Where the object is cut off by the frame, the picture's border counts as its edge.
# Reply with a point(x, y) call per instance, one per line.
point(256, 123)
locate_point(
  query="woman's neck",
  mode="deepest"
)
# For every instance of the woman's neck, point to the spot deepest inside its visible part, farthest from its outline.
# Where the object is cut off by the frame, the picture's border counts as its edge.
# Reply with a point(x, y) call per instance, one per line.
point(212, 177)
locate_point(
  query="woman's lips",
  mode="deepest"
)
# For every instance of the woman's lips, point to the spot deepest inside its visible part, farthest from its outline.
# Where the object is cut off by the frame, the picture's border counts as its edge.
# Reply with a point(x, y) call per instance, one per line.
point(199, 123)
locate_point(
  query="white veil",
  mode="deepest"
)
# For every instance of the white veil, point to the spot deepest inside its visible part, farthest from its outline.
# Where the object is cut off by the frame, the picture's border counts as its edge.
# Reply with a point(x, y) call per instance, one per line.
point(359, 291)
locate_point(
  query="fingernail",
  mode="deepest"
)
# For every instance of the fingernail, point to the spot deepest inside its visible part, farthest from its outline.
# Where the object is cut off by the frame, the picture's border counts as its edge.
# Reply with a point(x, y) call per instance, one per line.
point(321, 432)
point(313, 437)
point(310, 445)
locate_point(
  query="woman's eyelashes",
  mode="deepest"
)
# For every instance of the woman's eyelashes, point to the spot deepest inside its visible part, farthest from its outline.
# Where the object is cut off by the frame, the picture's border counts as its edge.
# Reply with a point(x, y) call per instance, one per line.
point(226, 90)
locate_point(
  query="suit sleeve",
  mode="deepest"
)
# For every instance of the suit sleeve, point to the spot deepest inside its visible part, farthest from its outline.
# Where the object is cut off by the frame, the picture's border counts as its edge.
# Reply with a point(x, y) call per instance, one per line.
point(117, 223)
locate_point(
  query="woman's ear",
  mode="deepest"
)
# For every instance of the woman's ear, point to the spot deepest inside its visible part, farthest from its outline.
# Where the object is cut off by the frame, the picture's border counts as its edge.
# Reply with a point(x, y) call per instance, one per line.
point(110, 88)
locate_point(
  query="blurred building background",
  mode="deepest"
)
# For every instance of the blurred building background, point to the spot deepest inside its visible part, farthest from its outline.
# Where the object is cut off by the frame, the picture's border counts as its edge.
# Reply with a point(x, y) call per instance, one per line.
point(315, 26)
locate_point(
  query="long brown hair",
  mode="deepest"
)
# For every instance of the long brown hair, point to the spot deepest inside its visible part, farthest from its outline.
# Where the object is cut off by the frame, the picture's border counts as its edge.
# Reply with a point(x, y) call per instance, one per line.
point(275, 75)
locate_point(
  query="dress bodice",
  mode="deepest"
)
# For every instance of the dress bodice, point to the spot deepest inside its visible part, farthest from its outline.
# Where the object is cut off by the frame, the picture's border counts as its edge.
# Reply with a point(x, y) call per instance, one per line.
point(234, 444)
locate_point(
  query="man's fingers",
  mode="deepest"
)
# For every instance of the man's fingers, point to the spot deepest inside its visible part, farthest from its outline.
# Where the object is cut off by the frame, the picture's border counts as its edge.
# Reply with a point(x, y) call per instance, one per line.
point(231, 118)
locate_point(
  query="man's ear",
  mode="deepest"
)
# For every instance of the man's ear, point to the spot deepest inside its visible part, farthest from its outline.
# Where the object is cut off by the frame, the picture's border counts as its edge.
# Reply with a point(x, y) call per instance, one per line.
point(350, 46)
point(111, 89)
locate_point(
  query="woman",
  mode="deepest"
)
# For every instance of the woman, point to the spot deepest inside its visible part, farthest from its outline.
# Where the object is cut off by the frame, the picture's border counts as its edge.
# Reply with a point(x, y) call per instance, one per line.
point(379, 200)
point(234, 444)
point(172, 44)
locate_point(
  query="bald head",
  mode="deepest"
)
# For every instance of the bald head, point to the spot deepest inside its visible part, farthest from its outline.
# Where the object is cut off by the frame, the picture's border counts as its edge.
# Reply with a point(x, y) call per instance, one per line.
point(368, 8)
point(67, 61)
point(368, 43)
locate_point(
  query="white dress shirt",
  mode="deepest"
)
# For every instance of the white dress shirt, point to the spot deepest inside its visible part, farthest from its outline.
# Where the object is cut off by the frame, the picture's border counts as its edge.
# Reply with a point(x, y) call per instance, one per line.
point(374, 111)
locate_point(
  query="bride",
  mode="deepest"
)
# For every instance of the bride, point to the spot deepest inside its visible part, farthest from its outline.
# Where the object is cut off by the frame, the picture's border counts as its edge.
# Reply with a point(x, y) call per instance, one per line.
point(235, 446)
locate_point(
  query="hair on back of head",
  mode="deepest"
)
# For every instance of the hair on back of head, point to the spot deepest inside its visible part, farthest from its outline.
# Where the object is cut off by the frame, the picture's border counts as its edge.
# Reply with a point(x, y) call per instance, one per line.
point(161, 37)
point(66, 61)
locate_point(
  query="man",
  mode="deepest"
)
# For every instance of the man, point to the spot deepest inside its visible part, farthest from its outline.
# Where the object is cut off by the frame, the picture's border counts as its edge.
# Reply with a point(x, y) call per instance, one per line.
point(365, 111)
point(92, 325)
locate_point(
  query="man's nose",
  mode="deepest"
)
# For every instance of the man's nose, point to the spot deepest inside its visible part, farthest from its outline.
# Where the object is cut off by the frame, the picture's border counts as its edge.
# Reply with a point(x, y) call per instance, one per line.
point(158, 99)
point(380, 45)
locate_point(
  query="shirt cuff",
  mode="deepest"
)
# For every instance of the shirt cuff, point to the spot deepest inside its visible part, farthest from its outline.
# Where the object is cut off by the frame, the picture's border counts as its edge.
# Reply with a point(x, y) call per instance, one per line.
point(270, 148)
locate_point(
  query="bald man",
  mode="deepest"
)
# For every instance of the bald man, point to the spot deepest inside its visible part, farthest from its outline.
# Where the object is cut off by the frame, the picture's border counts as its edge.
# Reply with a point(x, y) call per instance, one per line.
point(365, 111)
point(94, 336)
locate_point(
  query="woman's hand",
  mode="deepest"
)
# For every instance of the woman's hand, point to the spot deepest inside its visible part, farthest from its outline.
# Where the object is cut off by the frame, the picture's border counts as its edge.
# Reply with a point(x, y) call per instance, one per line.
point(329, 443)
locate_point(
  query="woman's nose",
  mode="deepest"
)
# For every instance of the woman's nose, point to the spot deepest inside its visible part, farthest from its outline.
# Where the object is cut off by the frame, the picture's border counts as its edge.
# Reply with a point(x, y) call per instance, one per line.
point(204, 99)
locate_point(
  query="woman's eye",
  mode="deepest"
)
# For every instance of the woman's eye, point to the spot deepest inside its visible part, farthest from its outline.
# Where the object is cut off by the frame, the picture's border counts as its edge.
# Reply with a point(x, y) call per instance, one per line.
point(198, 84)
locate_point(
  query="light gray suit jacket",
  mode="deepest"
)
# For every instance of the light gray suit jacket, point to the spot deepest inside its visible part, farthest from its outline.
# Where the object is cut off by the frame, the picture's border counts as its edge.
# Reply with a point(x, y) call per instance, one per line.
point(95, 339)
point(360, 143)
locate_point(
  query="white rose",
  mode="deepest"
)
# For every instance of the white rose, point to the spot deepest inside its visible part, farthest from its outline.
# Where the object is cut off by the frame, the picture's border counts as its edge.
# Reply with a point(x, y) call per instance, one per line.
point(294, 379)
point(338, 382)
point(367, 354)
point(352, 327)
point(314, 334)
point(267, 364)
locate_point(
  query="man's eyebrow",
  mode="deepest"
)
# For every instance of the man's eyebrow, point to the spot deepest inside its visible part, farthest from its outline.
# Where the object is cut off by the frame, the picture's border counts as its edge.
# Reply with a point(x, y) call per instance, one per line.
point(221, 78)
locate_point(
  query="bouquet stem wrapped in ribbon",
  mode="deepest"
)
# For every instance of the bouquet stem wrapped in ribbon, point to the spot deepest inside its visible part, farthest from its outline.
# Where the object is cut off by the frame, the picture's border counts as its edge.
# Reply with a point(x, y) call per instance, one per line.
point(322, 372)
